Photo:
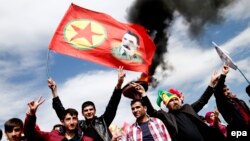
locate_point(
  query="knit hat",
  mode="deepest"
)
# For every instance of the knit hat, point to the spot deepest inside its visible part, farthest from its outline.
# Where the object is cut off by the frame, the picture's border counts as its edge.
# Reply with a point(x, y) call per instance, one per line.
point(129, 91)
point(175, 92)
point(164, 96)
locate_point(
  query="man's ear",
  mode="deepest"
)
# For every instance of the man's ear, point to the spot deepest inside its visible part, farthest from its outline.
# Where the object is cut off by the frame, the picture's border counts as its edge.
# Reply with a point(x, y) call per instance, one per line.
point(62, 122)
point(145, 107)
point(164, 102)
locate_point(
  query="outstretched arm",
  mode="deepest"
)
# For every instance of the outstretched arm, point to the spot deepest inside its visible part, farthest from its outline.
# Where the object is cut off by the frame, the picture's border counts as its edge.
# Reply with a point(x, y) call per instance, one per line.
point(121, 76)
point(221, 82)
point(53, 87)
point(224, 106)
point(56, 104)
point(114, 101)
point(203, 100)
point(141, 91)
point(150, 109)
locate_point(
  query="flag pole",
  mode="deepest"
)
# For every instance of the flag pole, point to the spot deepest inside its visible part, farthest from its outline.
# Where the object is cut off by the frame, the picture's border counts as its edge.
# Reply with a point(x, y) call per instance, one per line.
point(243, 75)
point(47, 64)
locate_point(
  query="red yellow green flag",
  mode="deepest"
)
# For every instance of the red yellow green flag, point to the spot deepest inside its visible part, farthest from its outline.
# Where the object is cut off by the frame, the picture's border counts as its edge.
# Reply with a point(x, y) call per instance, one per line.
point(99, 38)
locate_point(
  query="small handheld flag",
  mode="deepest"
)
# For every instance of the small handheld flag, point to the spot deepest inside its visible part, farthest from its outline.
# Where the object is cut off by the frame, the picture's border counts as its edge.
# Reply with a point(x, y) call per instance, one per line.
point(224, 56)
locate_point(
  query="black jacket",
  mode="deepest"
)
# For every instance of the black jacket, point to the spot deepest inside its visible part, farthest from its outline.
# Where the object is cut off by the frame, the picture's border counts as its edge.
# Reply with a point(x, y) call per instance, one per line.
point(169, 120)
point(99, 124)
point(230, 111)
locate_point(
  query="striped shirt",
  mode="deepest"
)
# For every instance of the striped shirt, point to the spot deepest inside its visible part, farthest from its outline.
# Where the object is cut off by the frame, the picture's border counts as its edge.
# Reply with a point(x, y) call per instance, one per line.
point(156, 127)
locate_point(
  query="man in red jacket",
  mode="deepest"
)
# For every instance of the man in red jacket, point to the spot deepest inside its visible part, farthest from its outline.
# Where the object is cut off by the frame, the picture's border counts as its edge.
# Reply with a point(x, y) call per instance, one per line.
point(69, 122)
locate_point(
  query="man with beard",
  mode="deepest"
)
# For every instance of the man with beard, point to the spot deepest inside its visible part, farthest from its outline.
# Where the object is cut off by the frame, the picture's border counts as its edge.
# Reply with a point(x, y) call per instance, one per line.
point(145, 128)
point(128, 49)
point(182, 121)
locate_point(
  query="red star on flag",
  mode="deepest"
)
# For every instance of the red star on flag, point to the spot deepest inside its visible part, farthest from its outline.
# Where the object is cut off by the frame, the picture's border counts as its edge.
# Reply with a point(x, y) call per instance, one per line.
point(84, 33)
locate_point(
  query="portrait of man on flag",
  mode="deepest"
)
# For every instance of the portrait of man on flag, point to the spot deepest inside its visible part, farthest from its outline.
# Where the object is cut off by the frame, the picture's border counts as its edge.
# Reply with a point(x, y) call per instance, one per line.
point(128, 48)
point(99, 38)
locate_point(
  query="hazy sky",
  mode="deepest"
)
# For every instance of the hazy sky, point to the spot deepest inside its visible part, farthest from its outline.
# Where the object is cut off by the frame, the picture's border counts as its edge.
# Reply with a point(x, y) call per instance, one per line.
point(26, 29)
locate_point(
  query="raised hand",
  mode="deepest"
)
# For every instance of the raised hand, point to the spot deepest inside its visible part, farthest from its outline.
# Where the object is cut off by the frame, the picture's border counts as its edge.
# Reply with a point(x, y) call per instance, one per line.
point(117, 136)
point(52, 85)
point(121, 73)
point(121, 76)
point(216, 112)
point(33, 105)
point(225, 69)
point(139, 88)
point(216, 117)
point(214, 78)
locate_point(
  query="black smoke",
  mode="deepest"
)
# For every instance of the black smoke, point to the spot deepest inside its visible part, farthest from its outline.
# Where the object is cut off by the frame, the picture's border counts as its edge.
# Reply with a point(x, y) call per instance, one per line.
point(157, 15)
point(200, 12)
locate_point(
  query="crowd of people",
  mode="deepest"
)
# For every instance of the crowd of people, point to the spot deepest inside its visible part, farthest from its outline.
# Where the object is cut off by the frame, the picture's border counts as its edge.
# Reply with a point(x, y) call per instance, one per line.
point(180, 123)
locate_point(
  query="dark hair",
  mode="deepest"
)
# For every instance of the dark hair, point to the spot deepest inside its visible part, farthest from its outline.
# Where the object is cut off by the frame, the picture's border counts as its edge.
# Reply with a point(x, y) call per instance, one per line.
point(70, 111)
point(57, 125)
point(137, 100)
point(61, 129)
point(1, 134)
point(87, 103)
point(136, 36)
point(248, 90)
point(11, 123)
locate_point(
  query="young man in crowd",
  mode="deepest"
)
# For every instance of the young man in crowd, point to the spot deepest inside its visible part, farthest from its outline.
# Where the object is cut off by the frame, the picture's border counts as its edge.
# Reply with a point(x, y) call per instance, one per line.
point(13, 129)
point(69, 122)
point(93, 126)
point(145, 128)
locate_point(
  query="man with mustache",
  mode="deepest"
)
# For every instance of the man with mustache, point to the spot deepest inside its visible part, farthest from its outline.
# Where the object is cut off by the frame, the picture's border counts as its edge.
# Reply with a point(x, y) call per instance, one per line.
point(128, 49)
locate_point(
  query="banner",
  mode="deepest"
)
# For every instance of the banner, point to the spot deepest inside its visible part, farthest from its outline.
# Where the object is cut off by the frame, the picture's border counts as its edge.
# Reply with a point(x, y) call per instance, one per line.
point(99, 38)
